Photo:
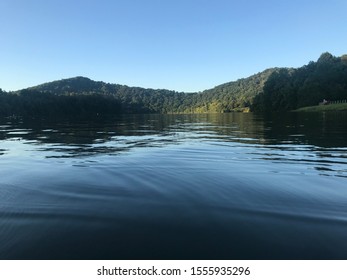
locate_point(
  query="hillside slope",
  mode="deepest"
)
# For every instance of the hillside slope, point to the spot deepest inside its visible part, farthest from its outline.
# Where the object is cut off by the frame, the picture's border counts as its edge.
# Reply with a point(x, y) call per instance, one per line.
point(305, 86)
point(223, 98)
point(275, 89)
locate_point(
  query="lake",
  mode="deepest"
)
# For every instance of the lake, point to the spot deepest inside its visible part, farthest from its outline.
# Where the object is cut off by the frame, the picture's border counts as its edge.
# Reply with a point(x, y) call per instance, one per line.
point(212, 186)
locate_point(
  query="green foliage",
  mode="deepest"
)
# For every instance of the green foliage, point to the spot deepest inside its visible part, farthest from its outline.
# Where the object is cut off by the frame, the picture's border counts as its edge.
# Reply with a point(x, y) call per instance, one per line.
point(304, 86)
point(131, 99)
point(80, 95)
point(276, 89)
point(233, 96)
point(35, 103)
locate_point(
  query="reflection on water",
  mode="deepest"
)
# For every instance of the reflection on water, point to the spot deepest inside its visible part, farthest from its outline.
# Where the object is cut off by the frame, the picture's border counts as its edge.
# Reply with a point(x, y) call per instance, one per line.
point(175, 186)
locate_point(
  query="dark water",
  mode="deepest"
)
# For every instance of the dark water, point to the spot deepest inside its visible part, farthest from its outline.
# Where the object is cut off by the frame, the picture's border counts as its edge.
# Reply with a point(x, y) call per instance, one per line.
point(228, 186)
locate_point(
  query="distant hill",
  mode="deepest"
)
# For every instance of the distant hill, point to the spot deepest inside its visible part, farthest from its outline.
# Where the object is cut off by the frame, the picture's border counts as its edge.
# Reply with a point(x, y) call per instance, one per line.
point(271, 90)
point(73, 85)
point(224, 98)
point(131, 99)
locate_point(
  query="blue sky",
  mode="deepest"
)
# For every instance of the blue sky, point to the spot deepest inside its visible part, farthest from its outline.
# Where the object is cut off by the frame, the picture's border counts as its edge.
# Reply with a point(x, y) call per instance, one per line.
point(183, 45)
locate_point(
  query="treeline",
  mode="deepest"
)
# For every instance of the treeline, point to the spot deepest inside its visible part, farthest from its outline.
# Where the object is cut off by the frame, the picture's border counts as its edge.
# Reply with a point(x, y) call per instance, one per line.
point(130, 99)
point(35, 103)
point(288, 89)
point(79, 95)
point(62, 99)
point(275, 89)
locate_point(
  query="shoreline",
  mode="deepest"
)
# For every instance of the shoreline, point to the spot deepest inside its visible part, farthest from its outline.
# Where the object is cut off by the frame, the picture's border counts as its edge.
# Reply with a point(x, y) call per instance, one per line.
point(323, 108)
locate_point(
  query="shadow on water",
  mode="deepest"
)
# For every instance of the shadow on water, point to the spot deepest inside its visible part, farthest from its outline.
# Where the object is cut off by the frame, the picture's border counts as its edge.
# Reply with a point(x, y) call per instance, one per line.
point(327, 129)
point(213, 186)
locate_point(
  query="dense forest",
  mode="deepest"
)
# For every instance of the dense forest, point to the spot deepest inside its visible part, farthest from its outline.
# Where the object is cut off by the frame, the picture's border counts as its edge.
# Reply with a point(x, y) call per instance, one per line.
point(288, 89)
point(275, 89)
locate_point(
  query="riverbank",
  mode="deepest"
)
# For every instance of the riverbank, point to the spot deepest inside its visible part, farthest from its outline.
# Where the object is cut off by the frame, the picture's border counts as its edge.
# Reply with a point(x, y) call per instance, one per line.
point(322, 108)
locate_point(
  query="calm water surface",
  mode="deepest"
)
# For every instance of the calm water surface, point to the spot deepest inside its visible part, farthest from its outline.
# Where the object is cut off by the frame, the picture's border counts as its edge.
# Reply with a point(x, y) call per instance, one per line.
point(218, 186)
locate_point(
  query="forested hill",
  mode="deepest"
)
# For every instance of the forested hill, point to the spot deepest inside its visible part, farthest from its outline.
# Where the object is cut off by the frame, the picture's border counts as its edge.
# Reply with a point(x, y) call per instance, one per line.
point(289, 89)
point(84, 97)
point(238, 95)
point(273, 89)
point(223, 98)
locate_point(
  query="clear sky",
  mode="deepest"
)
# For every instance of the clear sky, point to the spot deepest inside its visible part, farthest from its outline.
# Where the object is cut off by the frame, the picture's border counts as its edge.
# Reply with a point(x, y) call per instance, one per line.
point(183, 45)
